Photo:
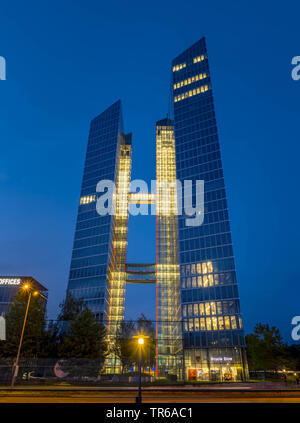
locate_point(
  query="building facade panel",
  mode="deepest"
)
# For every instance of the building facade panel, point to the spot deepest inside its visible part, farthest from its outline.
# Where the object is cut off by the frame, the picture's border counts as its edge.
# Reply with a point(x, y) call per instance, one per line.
point(168, 327)
point(92, 247)
point(213, 334)
point(199, 329)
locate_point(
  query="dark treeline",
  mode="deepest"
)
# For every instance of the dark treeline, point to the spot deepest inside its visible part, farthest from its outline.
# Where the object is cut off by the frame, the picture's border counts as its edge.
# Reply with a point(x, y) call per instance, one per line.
point(76, 338)
point(79, 341)
point(267, 351)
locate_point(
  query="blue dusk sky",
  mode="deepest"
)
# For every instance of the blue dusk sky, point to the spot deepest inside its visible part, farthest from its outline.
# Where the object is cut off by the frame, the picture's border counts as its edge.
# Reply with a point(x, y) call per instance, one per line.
point(68, 61)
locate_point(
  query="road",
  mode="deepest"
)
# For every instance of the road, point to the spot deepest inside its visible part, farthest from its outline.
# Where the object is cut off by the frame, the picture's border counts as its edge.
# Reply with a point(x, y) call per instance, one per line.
point(157, 395)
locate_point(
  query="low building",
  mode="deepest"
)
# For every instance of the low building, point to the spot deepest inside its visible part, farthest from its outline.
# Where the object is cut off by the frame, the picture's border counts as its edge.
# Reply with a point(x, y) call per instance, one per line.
point(9, 286)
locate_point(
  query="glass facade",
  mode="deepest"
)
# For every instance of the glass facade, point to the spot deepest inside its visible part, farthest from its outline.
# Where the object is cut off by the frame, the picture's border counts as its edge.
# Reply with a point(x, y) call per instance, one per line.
point(116, 275)
point(212, 327)
point(199, 330)
point(92, 248)
point(168, 327)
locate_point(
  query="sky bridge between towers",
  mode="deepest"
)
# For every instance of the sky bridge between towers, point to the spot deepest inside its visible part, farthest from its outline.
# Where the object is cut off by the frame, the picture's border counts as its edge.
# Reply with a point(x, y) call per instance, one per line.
point(140, 273)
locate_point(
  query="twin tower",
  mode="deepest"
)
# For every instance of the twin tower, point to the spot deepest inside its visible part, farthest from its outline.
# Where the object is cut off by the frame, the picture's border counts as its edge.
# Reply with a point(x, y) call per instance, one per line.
point(199, 331)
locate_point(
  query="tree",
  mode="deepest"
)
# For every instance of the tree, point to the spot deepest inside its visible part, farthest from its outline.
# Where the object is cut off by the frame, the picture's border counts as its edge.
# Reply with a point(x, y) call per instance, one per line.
point(83, 347)
point(51, 341)
point(266, 349)
point(34, 333)
point(126, 349)
point(145, 327)
point(70, 308)
point(124, 345)
point(294, 354)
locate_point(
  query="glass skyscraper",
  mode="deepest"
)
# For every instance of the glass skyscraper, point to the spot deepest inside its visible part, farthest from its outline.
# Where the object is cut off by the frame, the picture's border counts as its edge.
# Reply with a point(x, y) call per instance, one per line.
point(92, 253)
point(199, 330)
point(213, 337)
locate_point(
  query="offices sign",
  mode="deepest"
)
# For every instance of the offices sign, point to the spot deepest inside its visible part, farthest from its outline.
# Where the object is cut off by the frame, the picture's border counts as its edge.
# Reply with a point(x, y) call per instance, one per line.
point(10, 281)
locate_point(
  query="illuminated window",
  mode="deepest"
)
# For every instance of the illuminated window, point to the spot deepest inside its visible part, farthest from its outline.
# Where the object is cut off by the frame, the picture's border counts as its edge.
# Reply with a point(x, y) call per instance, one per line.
point(194, 282)
point(219, 307)
point(213, 308)
point(221, 323)
point(202, 324)
point(240, 323)
point(227, 322)
point(214, 323)
point(190, 80)
point(196, 310)
point(207, 309)
point(199, 268)
point(208, 323)
point(184, 311)
point(211, 280)
point(199, 59)
point(186, 326)
point(201, 307)
point(196, 323)
point(87, 199)
point(177, 68)
point(190, 309)
point(191, 325)
point(191, 93)
point(193, 269)
point(199, 281)
point(216, 278)
point(205, 280)
point(233, 322)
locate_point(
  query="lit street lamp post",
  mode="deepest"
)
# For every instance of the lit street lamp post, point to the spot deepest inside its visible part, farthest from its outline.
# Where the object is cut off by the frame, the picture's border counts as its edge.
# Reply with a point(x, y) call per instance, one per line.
point(16, 364)
point(141, 341)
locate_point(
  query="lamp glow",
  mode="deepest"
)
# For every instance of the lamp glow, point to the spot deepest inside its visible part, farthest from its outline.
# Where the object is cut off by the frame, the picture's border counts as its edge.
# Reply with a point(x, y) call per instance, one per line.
point(141, 341)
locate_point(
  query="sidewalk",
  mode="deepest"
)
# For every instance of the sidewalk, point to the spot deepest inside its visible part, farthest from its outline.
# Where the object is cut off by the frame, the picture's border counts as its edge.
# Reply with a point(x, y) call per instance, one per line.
point(255, 386)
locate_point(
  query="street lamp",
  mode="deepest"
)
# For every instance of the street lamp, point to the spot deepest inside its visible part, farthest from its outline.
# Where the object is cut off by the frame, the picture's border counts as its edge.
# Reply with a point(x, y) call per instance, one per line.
point(16, 364)
point(140, 341)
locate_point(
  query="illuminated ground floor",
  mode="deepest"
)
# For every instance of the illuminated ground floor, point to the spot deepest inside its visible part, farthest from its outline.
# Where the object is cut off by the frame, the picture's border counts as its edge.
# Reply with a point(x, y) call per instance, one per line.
point(215, 365)
point(199, 365)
